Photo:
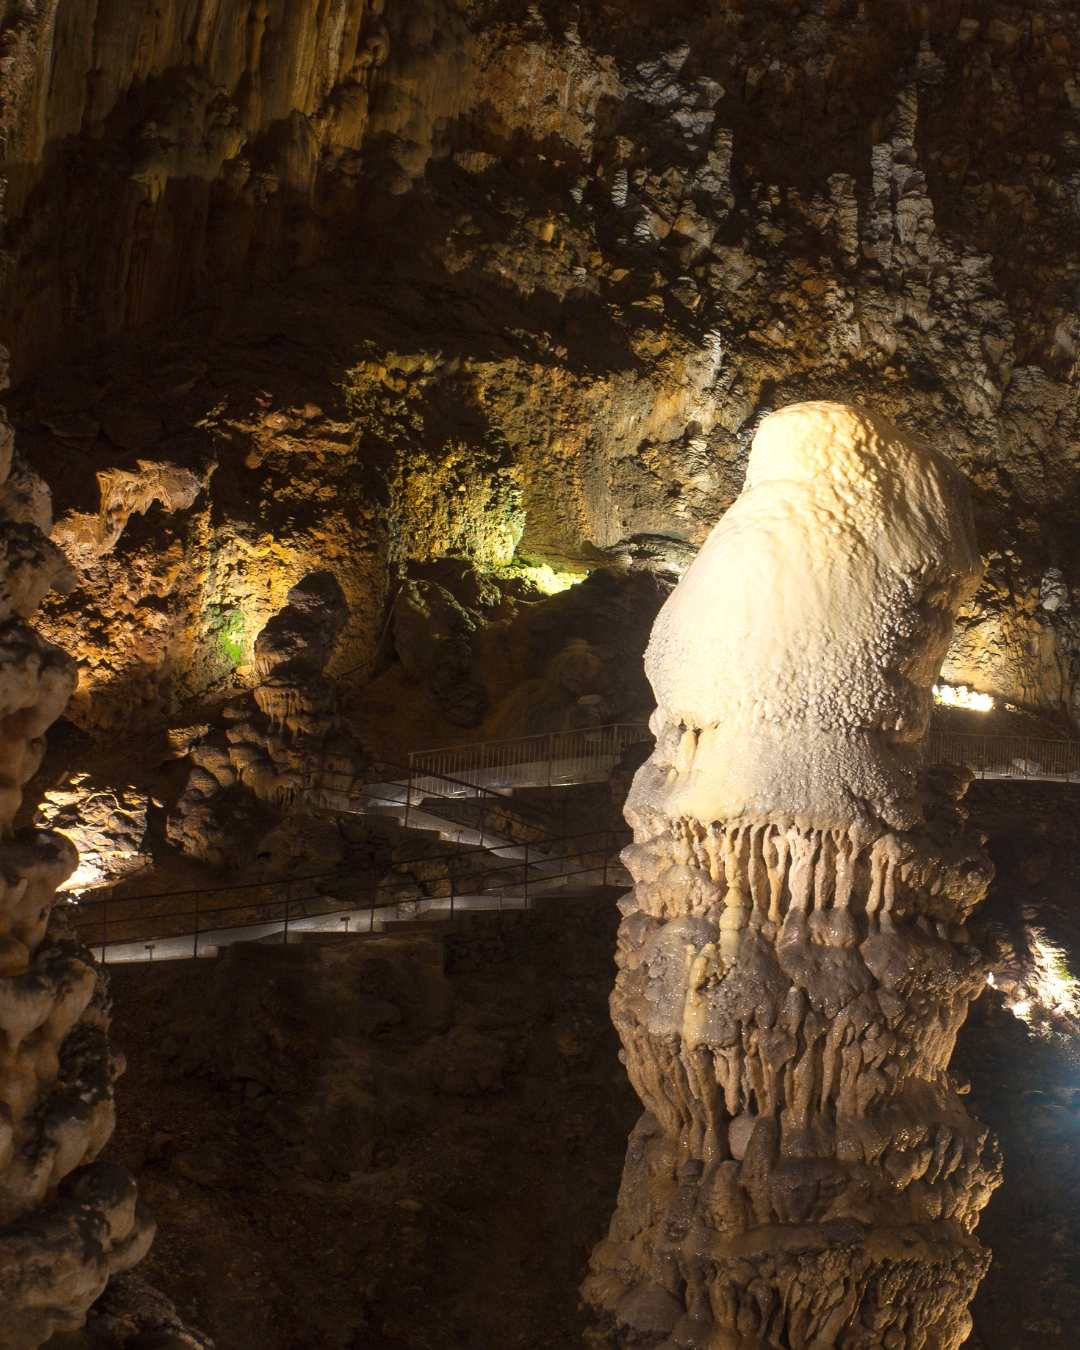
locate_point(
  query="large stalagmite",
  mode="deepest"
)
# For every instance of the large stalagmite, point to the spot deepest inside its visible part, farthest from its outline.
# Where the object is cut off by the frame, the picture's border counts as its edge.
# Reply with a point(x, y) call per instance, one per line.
point(67, 1220)
point(793, 960)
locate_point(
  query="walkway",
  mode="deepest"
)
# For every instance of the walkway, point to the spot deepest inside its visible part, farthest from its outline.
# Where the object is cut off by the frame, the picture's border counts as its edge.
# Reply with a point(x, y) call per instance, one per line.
point(207, 942)
point(491, 870)
point(589, 755)
point(1010, 758)
point(553, 759)
point(198, 923)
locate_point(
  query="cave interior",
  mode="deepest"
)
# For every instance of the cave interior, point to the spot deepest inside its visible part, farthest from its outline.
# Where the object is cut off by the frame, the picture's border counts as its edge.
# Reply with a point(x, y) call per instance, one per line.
point(375, 375)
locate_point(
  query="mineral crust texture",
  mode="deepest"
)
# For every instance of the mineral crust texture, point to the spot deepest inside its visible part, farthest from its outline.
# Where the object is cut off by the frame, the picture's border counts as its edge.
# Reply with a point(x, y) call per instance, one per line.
point(67, 1221)
point(282, 745)
point(793, 962)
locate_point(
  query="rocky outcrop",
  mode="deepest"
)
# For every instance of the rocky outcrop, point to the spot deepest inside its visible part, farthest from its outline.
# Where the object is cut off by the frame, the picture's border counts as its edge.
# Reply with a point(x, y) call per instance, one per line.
point(283, 745)
point(486, 648)
point(794, 962)
point(432, 641)
point(247, 109)
point(106, 823)
point(85, 538)
point(511, 274)
point(133, 1314)
point(67, 1220)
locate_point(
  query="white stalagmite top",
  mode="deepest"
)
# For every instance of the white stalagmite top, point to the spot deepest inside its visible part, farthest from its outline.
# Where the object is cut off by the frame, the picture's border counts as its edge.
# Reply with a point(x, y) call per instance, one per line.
point(803, 641)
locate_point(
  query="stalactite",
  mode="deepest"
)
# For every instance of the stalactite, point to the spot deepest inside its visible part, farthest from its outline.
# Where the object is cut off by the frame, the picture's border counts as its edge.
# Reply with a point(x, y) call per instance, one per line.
point(794, 962)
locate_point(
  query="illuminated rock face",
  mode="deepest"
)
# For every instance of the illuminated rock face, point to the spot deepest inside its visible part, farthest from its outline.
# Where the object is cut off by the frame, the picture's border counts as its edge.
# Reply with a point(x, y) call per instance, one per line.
point(793, 964)
point(800, 649)
point(283, 741)
point(67, 1222)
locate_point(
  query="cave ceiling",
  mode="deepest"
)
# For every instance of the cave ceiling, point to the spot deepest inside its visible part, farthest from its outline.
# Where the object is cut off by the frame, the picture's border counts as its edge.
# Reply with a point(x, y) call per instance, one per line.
point(393, 281)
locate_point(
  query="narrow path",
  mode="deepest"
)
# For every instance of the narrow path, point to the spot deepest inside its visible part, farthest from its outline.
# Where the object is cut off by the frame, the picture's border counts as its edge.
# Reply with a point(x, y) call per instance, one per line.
point(1003, 758)
point(373, 921)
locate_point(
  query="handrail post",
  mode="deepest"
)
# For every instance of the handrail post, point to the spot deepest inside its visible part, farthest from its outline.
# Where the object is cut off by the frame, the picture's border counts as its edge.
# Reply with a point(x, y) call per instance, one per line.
point(288, 901)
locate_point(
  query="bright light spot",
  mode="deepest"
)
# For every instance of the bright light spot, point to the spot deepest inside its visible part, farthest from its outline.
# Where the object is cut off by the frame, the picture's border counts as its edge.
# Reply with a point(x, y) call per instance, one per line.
point(960, 696)
point(1057, 988)
point(1050, 994)
point(545, 578)
point(85, 876)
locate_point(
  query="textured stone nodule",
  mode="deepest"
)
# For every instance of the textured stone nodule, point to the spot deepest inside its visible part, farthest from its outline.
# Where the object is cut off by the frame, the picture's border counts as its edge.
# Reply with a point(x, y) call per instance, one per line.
point(793, 963)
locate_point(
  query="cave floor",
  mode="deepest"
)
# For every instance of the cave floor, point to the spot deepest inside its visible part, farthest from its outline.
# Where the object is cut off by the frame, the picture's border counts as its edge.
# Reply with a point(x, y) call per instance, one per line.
point(447, 1194)
point(414, 1142)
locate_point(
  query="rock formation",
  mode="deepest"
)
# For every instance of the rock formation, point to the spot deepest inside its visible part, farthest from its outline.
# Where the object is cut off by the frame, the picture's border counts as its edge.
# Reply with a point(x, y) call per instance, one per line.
point(279, 744)
point(86, 537)
point(105, 822)
point(67, 1221)
point(461, 275)
point(793, 961)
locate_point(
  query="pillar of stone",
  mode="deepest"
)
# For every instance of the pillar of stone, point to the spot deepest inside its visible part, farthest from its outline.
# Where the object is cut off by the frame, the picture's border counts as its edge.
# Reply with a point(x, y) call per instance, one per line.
point(67, 1221)
point(793, 962)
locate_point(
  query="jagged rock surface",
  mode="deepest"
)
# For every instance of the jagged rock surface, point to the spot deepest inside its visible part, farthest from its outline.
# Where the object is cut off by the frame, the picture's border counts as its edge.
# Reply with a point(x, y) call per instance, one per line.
point(282, 745)
point(106, 824)
point(794, 964)
point(568, 256)
point(67, 1219)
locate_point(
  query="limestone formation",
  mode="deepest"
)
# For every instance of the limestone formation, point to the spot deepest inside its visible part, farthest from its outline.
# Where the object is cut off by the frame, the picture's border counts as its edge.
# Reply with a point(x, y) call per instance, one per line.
point(733, 215)
point(433, 641)
point(794, 964)
point(67, 1220)
point(106, 823)
point(86, 536)
point(279, 744)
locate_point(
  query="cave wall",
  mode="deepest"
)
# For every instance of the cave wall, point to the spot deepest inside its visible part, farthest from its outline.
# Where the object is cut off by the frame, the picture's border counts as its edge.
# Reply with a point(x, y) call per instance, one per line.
point(461, 275)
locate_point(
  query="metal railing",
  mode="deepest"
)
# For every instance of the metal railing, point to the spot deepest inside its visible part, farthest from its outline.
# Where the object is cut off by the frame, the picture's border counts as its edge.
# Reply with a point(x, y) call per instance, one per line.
point(197, 921)
point(418, 801)
point(1039, 759)
point(177, 925)
point(554, 758)
point(590, 753)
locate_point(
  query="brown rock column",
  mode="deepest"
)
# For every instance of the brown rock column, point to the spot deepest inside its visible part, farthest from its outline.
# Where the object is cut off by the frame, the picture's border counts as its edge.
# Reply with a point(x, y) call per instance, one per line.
point(67, 1221)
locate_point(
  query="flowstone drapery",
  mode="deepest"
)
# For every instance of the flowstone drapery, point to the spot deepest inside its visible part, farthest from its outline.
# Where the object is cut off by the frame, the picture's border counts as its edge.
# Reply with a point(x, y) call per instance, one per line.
point(793, 961)
point(67, 1222)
